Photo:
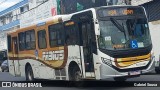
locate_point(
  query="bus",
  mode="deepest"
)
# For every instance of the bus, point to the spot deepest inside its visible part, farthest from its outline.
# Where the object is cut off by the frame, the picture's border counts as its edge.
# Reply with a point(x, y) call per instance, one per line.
point(96, 43)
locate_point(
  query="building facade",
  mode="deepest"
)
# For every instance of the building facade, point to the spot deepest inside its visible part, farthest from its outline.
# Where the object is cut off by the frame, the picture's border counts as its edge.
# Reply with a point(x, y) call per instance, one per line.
point(70, 6)
point(9, 20)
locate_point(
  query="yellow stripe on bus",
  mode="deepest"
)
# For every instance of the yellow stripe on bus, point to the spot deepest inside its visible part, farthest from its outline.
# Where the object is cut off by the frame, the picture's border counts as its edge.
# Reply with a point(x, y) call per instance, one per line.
point(134, 58)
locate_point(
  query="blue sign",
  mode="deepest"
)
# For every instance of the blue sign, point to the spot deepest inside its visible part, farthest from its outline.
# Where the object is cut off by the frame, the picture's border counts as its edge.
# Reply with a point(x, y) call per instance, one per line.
point(36, 53)
point(134, 44)
point(41, 24)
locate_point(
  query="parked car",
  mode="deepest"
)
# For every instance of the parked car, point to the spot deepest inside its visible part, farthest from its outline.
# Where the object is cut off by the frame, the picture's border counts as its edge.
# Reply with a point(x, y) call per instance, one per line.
point(3, 56)
point(4, 66)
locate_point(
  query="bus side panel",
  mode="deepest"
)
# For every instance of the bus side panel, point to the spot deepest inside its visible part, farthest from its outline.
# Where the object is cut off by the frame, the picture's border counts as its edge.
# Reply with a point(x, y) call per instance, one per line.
point(74, 55)
point(48, 73)
point(11, 67)
point(34, 64)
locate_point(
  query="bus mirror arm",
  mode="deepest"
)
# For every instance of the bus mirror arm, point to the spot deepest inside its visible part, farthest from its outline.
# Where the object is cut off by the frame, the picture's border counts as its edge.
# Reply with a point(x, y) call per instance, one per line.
point(97, 31)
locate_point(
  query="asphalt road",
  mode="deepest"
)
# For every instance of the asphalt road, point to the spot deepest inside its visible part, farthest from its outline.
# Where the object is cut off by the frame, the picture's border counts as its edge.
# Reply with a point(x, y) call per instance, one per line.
point(5, 76)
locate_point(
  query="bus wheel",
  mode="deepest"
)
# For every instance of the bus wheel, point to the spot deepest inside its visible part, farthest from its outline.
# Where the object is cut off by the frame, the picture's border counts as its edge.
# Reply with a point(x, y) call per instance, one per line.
point(120, 79)
point(76, 77)
point(29, 74)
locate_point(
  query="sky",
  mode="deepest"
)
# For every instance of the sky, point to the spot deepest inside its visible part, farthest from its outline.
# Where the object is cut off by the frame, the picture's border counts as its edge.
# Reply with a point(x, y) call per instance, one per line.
point(7, 3)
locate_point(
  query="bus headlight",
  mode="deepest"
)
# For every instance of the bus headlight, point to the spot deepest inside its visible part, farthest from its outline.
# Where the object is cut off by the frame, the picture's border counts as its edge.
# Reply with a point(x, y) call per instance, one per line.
point(106, 61)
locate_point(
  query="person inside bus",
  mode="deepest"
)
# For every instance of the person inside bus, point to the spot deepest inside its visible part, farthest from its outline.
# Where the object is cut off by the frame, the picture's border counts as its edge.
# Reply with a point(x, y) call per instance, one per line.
point(138, 30)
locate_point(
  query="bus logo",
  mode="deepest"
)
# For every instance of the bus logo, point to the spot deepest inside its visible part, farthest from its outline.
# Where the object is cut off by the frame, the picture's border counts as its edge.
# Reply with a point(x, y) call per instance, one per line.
point(53, 55)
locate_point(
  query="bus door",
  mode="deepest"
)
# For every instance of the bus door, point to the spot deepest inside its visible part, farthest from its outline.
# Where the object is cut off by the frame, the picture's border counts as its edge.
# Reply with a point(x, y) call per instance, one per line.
point(87, 47)
point(15, 55)
point(87, 43)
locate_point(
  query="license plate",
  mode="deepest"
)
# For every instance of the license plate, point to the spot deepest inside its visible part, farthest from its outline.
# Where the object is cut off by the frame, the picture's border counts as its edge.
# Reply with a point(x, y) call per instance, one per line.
point(134, 73)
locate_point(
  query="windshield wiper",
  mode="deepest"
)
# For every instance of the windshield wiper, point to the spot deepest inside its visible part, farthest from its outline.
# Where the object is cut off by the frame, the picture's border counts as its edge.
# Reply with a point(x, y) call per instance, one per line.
point(119, 26)
point(114, 21)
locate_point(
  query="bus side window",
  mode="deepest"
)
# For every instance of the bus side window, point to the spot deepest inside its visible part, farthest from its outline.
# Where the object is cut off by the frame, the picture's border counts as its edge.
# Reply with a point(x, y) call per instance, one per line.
point(30, 40)
point(92, 37)
point(9, 43)
point(42, 39)
point(21, 37)
point(71, 37)
point(56, 35)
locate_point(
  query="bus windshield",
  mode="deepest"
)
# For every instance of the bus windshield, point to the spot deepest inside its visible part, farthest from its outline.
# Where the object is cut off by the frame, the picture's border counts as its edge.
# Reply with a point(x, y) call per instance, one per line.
point(120, 34)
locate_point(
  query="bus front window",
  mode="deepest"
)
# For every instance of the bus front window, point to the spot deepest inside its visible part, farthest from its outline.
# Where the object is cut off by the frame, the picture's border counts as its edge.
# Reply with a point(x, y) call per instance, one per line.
point(118, 34)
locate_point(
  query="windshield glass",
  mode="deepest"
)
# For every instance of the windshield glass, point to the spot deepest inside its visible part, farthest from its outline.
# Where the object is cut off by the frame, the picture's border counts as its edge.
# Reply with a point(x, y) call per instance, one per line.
point(124, 34)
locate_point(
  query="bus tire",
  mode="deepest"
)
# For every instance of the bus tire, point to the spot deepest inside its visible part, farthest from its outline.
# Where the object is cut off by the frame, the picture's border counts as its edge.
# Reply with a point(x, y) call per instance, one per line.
point(76, 77)
point(120, 79)
point(29, 74)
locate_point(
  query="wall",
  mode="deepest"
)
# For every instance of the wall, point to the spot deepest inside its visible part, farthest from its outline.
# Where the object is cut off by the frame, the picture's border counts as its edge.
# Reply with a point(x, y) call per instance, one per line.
point(43, 11)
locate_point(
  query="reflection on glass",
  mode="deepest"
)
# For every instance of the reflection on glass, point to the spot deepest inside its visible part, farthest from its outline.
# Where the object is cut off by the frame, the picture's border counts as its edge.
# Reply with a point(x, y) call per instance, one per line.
point(118, 34)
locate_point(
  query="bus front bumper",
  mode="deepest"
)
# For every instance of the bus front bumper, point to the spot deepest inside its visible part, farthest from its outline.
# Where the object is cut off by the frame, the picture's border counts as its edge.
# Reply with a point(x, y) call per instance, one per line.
point(109, 72)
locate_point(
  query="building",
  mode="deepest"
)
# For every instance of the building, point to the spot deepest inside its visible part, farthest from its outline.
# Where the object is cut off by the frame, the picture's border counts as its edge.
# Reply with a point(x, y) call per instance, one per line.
point(9, 20)
point(70, 6)
point(10, 17)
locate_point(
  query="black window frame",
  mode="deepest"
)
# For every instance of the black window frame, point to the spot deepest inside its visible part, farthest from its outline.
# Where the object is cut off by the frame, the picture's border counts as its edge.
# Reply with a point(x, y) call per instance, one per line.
point(71, 35)
point(38, 34)
point(22, 36)
point(59, 34)
point(9, 43)
point(30, 31)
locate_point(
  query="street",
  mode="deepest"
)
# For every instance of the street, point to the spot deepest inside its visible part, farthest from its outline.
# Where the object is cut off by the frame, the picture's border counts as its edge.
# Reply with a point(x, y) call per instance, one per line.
point(5, 76)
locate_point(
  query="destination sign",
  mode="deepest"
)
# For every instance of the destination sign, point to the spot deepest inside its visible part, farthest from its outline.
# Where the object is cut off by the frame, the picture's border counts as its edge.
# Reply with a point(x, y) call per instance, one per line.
point(120, 12)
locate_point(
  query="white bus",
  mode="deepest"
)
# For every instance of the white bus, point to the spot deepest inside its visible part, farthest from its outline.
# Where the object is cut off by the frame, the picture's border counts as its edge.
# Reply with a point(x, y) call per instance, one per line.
point(97, 43)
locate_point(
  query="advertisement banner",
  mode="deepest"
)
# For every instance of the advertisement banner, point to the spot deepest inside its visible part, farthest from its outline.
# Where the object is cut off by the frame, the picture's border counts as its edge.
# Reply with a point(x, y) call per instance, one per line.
point(43, 11)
